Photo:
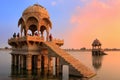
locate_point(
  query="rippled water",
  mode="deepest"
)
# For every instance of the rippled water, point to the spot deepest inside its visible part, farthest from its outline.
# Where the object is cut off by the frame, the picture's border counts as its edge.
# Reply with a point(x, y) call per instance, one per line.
point(107, 67)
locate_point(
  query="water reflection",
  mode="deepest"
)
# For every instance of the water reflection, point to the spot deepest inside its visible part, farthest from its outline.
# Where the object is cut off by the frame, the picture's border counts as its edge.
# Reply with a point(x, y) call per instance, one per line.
point(97, 61)
point(39, 66)
point(10, 73)
point(31, 75)
point(34, 74)
point(23, 74)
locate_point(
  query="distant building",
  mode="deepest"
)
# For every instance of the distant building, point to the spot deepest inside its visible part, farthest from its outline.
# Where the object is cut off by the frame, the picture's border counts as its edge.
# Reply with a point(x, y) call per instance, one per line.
point(96, 48)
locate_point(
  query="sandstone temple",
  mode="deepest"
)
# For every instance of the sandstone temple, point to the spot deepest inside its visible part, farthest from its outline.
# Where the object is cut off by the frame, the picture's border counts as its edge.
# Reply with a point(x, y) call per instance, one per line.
point(96, 48)
point(32, 48)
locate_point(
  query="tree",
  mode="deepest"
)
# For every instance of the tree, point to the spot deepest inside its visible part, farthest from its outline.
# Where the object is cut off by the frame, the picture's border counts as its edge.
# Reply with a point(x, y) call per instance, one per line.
point(6, 48)
point(83, 48)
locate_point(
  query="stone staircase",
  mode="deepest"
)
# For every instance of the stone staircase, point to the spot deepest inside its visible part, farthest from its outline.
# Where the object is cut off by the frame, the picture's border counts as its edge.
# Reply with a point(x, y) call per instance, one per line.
point(82, 69)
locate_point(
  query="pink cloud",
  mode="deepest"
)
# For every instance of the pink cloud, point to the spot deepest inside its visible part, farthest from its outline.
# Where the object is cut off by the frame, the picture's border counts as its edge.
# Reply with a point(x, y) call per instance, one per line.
point(97, 19)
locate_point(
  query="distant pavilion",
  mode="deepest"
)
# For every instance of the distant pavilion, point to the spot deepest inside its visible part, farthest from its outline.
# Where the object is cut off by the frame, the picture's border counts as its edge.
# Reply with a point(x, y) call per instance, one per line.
point(96, 48)
point(96, 44)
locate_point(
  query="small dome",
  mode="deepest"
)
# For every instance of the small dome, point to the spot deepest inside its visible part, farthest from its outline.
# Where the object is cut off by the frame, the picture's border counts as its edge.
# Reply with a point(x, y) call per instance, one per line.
point(36, 8)
point(96, 42)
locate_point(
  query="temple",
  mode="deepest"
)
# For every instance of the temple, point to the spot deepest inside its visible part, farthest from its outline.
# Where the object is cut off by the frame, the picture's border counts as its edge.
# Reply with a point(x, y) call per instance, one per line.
point(33, 48)
point(96, 48)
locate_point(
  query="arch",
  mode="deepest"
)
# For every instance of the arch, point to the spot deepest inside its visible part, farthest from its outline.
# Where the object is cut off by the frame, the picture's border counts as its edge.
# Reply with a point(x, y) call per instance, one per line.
point(22, 23)
point(42, 29)
point(33, 28)
point(33, 16)
point(47, 22)
point(32, 24)
point(32, 20)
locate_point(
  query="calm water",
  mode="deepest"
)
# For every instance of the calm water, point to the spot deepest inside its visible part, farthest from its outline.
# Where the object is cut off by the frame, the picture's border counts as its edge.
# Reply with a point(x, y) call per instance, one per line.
point(107, 67)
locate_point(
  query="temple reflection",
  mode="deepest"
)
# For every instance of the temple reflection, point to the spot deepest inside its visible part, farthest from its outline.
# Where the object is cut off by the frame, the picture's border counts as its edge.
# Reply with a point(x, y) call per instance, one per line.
point(97, 62)
point(43, 74)
point(18, 74)
point(43, 66)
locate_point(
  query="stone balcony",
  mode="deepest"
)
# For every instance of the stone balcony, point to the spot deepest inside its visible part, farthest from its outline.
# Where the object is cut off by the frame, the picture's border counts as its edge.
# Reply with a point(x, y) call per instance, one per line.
point(26, 38)
point(20, 42)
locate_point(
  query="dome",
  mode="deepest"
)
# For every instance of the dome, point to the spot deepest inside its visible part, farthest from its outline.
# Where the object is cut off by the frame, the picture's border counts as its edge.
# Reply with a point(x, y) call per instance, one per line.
point(36, 8)
point(96, 42)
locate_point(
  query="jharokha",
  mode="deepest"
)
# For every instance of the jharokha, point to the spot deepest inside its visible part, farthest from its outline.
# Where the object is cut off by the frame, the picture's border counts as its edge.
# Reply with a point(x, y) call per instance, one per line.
point(32, 49)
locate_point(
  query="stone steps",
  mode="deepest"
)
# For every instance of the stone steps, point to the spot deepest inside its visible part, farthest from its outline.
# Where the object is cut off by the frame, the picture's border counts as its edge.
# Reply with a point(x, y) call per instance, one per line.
point(82, 69)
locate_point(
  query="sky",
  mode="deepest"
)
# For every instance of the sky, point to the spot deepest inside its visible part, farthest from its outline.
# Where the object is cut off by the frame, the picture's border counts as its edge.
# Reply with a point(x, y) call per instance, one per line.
point(78, 22)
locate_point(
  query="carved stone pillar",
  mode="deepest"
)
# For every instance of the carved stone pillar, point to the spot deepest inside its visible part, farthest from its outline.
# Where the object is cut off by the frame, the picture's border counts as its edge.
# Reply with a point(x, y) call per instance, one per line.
point(38, 29)
point(50, 64)
point(38, 61)
point(47, 36)
point(46, 61)
point(24, 61)
point(57, 65)
point(13, 59)
point(26, 30)
point(28, 62)
point(21, 61)
point(17, 61)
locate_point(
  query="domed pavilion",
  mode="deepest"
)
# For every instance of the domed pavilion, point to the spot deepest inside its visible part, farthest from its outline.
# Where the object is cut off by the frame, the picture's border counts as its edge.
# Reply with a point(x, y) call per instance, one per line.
point(35, 19)
point(96, 44)
point(35, 25)
point(96, 47)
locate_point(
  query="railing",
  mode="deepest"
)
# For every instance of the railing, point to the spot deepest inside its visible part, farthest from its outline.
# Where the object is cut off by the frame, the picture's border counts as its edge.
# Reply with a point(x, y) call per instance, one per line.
point(28, 38)
point(58, 41)
point(36, 38)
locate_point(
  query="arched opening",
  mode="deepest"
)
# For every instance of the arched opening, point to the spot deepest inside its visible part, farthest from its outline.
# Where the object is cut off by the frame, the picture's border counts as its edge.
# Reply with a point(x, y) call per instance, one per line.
point(47, 22)
point(32, 29)
point(32, 20)
point(32, 24)
point(42, 29)
point(21, 23)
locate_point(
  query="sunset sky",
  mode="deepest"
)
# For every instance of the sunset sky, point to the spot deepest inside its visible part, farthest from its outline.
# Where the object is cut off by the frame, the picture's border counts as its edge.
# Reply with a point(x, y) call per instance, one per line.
point(78, 22)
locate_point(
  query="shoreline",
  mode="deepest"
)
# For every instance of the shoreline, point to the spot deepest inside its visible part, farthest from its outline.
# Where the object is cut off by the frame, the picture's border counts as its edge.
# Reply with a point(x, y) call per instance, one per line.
point(90, 50)
point(65, 50)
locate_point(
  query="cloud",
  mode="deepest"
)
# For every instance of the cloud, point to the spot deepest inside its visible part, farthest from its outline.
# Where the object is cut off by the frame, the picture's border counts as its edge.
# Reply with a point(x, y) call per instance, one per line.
point(53, 3)
point(96, 19)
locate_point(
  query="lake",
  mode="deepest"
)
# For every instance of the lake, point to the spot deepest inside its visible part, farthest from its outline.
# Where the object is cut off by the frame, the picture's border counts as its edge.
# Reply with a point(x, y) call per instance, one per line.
point(107, 67)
